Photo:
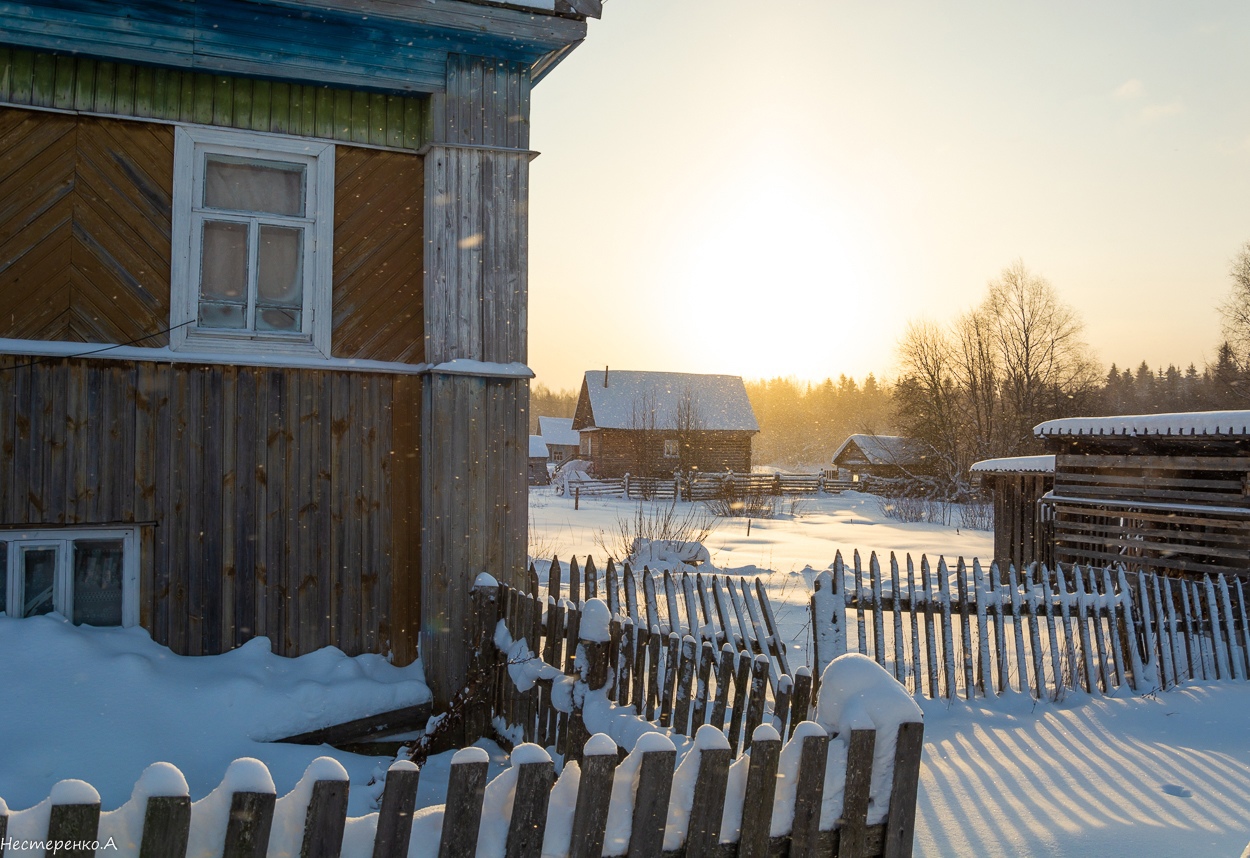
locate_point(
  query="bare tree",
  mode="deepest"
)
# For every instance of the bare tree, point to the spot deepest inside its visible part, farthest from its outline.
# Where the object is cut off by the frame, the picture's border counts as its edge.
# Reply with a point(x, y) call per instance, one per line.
point(1235, 311)
point(689, 422)
point(643, 422)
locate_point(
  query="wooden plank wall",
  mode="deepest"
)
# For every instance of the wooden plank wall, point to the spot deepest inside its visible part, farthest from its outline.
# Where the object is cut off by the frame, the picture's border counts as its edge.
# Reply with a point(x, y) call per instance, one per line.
point(1016, 516)
point(1191, 519)
point(144, 92)
point(276, 502)
point(474, 429)
point(85, 226)
point(616, 452)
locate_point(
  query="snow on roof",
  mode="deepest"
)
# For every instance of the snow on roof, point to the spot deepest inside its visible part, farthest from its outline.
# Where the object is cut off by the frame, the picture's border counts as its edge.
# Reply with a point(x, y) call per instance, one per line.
point(559, 431)
point(1016, 465)
point(538, 447)
point(884, 449)
point(1182, 423)
point(720, 401)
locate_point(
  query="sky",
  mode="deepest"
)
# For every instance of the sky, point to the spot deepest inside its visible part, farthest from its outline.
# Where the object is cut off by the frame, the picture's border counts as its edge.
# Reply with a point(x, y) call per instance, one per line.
point(776, 189)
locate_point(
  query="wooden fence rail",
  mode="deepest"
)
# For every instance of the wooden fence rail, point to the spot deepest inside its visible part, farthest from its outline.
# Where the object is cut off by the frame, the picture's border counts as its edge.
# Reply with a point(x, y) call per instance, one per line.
point(705, 486)
point(948, 631)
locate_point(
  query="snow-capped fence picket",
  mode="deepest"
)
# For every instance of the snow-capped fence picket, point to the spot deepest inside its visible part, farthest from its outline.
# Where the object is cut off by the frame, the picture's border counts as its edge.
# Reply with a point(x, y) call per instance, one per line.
point(692, 650)
point(961, 631)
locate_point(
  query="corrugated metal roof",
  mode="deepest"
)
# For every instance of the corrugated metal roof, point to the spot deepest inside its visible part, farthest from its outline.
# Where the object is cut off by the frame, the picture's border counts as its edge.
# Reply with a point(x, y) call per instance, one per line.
point(1016, 465)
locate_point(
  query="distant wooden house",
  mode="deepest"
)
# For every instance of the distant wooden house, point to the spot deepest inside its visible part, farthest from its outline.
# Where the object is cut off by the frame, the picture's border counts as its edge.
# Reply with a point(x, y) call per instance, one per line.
point(262, 315)
point(656, 423)
point(1021, 527)
point(861, 457)
point(560, 437)
point(536, 471)
point(1166, 492)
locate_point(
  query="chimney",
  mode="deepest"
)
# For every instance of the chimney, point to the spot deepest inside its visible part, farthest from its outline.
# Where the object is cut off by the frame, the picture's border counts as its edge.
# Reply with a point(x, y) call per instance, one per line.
point(605, 375)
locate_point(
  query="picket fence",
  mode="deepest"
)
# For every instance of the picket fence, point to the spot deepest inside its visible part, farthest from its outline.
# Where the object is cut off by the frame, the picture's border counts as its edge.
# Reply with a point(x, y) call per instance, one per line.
point(948, 631)
point(169, 824)
point(685, 650)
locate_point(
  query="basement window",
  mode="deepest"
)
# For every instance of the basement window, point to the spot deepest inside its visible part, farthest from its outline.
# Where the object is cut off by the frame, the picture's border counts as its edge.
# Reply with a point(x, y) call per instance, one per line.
point(89, 576)
point(252, 232)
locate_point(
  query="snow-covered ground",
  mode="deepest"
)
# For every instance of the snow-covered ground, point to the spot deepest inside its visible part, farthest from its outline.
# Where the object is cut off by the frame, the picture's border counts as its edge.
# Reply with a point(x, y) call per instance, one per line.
point(1167, 774)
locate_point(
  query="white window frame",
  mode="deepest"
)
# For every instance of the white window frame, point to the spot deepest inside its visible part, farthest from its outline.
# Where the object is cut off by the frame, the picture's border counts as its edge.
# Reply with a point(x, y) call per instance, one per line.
point(672, 449)
point(63, 582)
point(191, 145)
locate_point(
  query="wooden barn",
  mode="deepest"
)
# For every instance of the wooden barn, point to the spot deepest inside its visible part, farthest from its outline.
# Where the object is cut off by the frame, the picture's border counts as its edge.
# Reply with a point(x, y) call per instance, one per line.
point(883, 456)
point(653, 424)
point(263, 315)
point(1022, 533)
point(560, 437)
point(1165, 492)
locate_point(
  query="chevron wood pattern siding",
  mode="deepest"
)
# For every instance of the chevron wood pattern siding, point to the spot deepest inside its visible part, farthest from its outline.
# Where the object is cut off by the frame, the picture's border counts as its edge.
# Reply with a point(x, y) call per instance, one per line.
point(143, 92)
point(85, 213)
point(378, 298)
point(277, 502)
point(84, 228)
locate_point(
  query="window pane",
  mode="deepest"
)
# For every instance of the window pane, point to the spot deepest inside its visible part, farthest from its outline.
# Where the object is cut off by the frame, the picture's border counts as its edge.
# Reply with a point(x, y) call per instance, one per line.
point(38, 579)
point(223, 262)
point(280, 271)
point(239, 184)
point(278, 319)
point(4, 577)
point(213, 315)
point(98, 582)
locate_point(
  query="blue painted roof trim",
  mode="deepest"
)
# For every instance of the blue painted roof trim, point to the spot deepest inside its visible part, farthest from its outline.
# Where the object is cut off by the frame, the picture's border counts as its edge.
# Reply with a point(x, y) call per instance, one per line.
point(284, 40)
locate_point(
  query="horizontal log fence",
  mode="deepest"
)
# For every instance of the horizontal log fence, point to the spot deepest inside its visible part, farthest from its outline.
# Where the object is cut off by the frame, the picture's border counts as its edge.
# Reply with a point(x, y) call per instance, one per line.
point(704, 486)
point(665, 816)
point(961, 631)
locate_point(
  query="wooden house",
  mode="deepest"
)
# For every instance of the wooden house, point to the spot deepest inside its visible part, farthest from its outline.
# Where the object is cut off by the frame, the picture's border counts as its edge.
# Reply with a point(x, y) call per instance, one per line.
point(653, 424)
point(1016, 486)
point(1165, 492)
point(263, 315)
point(861, 457)
point(560, 437)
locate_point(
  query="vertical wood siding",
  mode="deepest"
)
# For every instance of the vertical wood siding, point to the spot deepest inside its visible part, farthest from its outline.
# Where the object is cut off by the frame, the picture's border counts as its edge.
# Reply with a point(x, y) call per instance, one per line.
point(378, 296)
point(280, 500)
point(84, 228)
point(474, 430)
point(142, 92)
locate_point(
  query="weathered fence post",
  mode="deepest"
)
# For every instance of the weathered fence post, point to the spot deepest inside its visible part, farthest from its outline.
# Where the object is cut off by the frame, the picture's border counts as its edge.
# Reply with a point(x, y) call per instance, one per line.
point(395, 815)
point(655, 788)
point(466, 787)
point(900, 825)
point(757, 814)
point(251, 818)
point(535, 774)
point(166, 827)
point(325, 820)
point(74, 820)
point(594, 796)
point(482, 675)
point(594, 643)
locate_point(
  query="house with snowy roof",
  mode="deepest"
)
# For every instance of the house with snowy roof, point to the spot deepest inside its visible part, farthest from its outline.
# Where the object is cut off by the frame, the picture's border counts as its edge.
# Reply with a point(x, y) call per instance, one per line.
point(1160, 492)
point(262, 312)
point(655, 423)
point(860, 457)
point(561, 438)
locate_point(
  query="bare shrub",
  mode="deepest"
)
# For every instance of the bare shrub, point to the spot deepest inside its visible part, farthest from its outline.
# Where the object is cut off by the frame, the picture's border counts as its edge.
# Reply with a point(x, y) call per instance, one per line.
point(976, 515)
point(734, 504)
point(658, 522)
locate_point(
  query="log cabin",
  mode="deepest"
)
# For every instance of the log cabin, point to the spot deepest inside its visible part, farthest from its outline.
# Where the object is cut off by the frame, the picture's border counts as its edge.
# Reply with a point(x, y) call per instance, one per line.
point(263, 315)
point(561, 439)
point(652, 424)
point(1016, 485)
point(1159, 492)
point(863, 457)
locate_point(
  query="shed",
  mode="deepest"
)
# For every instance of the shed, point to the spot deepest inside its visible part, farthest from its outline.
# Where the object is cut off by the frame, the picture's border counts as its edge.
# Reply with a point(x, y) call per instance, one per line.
point(537, 471)
point(655, 423)
point(882, 456)
point(1165, 492)
point(560, 437)
point(234, 401)
point(1022, 533)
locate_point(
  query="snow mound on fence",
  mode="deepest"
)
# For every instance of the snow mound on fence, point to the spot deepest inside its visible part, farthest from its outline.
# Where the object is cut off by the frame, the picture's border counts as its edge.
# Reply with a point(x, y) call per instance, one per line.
point(856, 693)
point(669, 554)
